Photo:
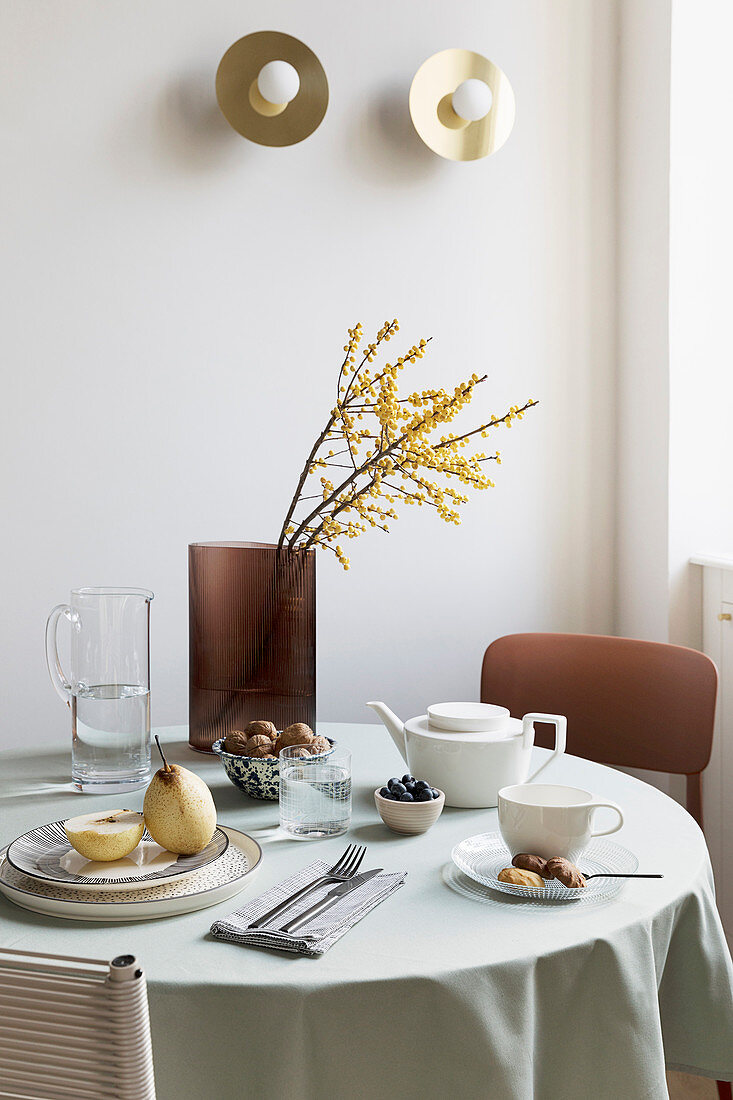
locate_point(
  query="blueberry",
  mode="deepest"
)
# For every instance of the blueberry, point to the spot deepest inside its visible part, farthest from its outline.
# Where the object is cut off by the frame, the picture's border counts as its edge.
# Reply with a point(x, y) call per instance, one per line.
point(411, 787)
point(421, 785)
point(407, 797)
point(391, 783)
point(408, 778)
point(436, 794)
point(397, 788)
point(424, 796)
point(385, 792)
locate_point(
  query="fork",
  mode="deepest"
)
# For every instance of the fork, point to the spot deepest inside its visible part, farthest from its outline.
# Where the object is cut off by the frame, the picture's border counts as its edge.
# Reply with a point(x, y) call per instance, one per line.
point(344, 869)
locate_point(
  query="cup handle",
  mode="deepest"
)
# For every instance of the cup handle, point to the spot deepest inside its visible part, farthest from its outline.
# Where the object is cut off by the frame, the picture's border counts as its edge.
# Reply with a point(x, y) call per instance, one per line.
point(609, 806)
point(560, 723)
point(55, 671)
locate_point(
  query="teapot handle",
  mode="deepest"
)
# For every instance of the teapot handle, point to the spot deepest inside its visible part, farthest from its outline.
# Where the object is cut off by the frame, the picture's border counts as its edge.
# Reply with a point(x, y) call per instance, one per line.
point(561, 728)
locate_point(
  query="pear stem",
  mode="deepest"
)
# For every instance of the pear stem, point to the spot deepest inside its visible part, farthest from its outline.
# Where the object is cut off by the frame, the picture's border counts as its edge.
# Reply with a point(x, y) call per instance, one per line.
point(165, 762)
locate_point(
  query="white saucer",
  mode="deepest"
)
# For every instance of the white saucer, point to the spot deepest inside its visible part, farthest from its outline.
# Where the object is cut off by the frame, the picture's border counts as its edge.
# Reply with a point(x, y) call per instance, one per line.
point(210, 885)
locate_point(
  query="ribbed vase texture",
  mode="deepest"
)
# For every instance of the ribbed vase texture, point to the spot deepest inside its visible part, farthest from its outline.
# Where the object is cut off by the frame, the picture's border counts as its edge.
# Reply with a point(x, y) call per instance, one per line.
point(252, 638)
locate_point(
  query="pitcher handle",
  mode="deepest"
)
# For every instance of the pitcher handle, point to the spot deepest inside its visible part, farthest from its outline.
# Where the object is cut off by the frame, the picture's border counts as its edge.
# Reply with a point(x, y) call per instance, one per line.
point(55, 671)
point(560, 723)
point(609, 806)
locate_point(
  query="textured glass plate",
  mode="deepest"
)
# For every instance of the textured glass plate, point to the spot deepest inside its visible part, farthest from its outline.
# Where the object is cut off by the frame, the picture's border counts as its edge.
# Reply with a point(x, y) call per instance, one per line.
point(482, 857)
point(39, 853)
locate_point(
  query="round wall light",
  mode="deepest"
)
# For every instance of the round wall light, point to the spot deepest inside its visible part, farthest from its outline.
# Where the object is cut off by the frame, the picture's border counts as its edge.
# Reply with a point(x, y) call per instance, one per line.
point(271, 88)
point(462, 105)
point(278, 83)
point(472, 99)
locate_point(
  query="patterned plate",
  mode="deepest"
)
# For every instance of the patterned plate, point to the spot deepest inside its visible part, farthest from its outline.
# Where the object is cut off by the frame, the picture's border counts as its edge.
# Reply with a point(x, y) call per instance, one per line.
point(482, 857)
point(208, 886)
point(45, 853)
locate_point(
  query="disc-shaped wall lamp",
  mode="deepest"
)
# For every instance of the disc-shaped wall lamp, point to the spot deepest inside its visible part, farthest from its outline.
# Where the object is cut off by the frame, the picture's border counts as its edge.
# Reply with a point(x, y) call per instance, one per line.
point(271, 88)
point(462, 105)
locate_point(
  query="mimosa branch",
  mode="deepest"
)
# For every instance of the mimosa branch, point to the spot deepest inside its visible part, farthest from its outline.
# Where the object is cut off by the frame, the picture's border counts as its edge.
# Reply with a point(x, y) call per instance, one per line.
point(399, 443)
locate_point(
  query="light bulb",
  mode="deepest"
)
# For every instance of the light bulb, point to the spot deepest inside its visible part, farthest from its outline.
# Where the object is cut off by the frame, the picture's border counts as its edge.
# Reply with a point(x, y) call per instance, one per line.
point(472, 99)
point(278, 82)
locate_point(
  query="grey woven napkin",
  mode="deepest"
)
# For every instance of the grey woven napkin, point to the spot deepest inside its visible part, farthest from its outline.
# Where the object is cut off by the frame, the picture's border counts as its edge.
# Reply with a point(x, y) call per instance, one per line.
point(325, 929)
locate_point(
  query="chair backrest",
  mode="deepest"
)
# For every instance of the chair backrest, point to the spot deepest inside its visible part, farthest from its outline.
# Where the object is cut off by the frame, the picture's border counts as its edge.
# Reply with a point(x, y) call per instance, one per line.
point(74, 1029)
point(631, 703)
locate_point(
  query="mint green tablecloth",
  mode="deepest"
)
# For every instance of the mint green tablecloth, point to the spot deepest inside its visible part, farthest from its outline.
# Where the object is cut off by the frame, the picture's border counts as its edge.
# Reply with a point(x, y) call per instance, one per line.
point(438, 991)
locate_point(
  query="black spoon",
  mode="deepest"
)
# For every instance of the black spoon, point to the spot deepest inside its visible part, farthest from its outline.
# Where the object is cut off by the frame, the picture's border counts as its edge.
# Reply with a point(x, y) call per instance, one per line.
point(601, 875)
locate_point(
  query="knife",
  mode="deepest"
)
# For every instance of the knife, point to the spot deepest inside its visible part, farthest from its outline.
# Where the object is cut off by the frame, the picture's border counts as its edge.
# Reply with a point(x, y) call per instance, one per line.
point(330, 899)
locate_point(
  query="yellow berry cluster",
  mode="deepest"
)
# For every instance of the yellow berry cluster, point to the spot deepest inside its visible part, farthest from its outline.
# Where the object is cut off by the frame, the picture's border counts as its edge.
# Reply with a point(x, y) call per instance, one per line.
point(387, 451)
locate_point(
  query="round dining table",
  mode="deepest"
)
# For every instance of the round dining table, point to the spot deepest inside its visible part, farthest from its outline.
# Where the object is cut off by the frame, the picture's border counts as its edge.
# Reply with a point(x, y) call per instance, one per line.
point(445, 988)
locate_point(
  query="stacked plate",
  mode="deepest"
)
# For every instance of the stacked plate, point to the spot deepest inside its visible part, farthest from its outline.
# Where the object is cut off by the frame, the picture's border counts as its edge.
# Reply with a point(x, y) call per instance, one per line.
point(42, 872)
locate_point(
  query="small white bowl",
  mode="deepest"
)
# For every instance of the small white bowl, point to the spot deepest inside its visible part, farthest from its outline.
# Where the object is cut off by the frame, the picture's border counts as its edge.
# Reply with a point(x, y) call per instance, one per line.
point(410, 818)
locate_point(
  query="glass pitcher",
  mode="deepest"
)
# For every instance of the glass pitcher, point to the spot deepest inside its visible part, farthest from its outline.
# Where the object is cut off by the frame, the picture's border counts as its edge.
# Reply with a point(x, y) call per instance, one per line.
point(108, 691)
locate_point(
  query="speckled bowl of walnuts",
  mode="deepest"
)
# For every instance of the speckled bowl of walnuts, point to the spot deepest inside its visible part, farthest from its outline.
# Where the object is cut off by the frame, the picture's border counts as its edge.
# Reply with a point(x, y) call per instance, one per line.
point(250, 756)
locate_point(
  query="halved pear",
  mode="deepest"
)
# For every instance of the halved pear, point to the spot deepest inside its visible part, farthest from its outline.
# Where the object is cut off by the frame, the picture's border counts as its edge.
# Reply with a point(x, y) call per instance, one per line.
point(104, 837)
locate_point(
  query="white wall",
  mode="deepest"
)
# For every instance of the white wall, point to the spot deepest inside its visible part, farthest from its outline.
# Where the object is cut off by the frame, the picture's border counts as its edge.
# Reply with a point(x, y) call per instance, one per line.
point(176, 301)
point(642, 380)
point(701, 298)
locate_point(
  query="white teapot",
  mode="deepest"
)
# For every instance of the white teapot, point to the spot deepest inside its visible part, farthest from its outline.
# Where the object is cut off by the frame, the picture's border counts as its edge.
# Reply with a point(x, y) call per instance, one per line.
point(470, 750)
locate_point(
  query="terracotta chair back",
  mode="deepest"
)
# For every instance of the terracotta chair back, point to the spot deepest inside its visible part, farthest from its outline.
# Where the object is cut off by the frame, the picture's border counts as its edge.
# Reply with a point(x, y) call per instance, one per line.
point(632, 703)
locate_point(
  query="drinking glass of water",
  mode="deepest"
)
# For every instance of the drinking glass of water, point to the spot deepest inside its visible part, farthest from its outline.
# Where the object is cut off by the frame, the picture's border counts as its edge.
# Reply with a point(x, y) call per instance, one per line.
point(315, 792)
point(108, 690)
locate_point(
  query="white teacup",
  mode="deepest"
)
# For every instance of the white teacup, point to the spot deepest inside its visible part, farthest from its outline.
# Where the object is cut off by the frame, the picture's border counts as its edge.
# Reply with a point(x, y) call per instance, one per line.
point(546, 819)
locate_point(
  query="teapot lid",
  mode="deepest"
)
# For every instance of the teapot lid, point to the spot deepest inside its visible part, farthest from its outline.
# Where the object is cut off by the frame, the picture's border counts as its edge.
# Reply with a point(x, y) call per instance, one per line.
point(467, 717)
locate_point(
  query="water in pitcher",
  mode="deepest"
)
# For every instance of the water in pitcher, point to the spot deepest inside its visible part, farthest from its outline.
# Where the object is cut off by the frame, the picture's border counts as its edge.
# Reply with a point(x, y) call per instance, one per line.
point(111, 737)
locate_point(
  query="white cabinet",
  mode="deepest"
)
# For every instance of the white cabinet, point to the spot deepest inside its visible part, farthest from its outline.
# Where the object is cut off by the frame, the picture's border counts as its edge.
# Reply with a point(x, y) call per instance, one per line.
point(717, 780)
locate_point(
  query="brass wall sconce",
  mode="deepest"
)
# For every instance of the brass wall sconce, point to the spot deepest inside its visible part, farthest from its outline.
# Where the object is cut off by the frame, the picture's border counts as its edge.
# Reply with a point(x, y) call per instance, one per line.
point(462, 105)
point(271, 88)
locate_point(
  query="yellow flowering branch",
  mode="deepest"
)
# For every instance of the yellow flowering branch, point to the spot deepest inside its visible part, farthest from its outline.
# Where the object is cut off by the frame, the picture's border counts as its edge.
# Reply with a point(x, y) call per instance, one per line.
point(398, 447)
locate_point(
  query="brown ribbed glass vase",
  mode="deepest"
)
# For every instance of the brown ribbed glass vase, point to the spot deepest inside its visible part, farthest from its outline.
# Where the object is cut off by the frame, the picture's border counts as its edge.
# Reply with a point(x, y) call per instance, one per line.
point(252, 638)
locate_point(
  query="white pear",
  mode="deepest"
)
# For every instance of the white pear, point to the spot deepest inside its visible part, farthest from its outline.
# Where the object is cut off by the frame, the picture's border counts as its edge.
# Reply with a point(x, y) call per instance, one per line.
point(179, 811)
point(102, 836)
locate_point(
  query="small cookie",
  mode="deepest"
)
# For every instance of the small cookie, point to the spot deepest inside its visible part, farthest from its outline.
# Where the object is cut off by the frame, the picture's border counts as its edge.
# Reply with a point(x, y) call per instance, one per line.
point(565, 872)
point(517, 877)
point(259, 727)
point(531, 863)
point(235, 742)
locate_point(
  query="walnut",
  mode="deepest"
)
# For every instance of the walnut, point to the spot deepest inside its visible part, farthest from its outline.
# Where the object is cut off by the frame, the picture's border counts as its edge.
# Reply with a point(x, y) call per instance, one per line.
point(565, 872)
point(260, 739)
point(319, 744)
point(297, 734)
point(298, 750)
point(531, 863)
point(258, 752)
point(260, 727)
point(517, 877)
point(235, 742)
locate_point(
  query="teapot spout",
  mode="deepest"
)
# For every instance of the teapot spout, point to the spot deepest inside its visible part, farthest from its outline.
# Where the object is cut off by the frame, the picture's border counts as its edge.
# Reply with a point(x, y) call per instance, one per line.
point(393, 724)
